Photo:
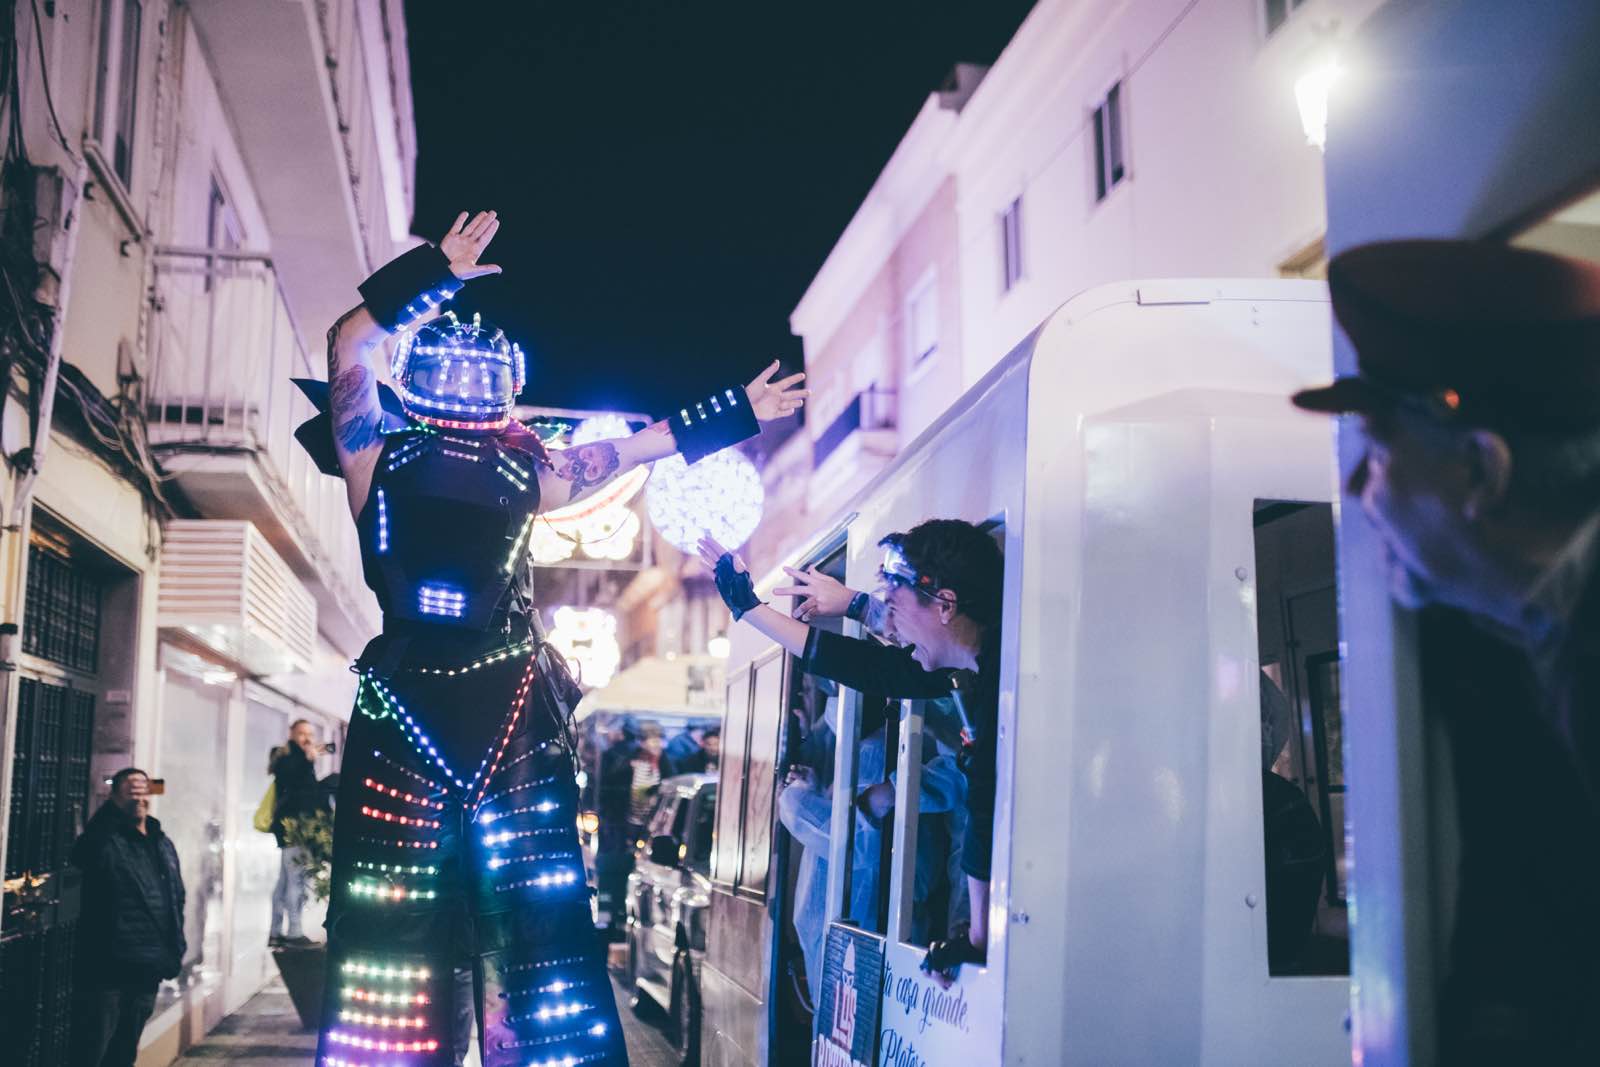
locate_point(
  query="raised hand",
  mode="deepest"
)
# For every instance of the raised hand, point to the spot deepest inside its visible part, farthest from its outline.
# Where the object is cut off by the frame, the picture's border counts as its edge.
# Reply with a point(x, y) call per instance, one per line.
point(774, 399)
point(465, 243)
point(710, 550)
point(816, 594)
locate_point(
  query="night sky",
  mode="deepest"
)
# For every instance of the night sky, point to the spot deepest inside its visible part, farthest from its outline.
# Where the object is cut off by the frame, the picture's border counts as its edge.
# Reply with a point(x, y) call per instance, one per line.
point(670, 175)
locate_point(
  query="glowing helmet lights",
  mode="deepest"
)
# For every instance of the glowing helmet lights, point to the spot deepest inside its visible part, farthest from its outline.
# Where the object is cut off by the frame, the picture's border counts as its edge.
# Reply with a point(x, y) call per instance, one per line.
point(458, 374)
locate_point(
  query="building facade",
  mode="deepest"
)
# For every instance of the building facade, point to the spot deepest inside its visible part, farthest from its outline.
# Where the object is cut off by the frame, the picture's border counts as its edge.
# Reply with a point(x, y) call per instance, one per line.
point(1146, 139)
point(191, 194)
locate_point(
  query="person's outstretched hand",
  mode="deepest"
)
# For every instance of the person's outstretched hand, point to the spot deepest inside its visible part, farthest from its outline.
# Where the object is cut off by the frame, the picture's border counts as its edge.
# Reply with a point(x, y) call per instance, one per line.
point(710, 550)
point(816, 594)
point(465, 243)
point(774, 399)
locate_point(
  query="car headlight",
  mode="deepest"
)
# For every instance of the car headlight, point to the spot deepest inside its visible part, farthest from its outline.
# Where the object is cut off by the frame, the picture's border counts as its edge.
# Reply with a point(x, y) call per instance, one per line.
point(589, 822)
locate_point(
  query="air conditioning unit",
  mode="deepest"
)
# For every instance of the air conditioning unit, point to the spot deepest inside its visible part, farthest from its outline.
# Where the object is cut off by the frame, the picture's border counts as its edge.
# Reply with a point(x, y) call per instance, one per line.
point(225, 586)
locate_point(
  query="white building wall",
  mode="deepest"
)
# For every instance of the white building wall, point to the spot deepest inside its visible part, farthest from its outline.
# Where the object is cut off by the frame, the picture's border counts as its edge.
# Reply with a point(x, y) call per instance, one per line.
point(1220, 180)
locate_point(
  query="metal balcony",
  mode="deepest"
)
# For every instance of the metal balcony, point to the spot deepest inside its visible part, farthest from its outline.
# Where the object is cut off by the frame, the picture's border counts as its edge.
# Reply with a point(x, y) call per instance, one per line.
point(868, 421)
point(222, 415)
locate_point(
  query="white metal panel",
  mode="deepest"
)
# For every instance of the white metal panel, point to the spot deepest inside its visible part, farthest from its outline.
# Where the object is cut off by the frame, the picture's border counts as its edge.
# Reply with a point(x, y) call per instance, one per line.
point(223, 584)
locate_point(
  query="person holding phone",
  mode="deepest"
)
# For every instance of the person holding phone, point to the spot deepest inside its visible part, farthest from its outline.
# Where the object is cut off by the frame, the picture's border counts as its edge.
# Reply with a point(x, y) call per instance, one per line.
point(299, 796)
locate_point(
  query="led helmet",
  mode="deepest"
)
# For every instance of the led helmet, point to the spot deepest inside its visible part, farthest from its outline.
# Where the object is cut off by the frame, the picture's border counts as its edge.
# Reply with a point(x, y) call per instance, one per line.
point(457, 374)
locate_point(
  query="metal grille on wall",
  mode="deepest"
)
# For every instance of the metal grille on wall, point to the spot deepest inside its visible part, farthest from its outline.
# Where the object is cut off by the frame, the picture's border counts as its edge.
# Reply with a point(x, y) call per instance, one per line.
point(62, 623)
point(50, 794)
point(49, 776)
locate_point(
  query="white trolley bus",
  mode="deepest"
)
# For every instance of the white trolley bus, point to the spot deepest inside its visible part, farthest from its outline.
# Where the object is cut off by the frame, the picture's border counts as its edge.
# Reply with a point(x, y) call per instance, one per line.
point(1167, 527)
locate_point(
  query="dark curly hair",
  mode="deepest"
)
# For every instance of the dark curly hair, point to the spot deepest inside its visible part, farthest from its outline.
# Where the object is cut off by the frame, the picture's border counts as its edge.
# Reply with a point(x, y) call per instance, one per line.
point(960, 557)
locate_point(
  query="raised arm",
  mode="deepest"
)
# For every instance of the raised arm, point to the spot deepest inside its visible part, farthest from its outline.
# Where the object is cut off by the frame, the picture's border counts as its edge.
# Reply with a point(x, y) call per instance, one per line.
point(579, 471)
point(352, 370)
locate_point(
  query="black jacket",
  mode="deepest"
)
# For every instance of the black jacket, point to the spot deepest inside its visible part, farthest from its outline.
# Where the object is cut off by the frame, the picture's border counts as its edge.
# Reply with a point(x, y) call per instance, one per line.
point(1524, 962)
point(131, 926)
point(870, 667)
point(298, 792)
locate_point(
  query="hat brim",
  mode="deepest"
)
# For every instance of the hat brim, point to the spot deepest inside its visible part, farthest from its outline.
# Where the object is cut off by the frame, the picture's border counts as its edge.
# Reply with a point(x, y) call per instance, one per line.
point(1344, 396)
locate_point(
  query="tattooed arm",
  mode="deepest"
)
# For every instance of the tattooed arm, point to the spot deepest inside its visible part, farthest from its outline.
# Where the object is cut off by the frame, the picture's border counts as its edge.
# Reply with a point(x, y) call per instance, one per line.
point(578, 471)
point(353, 400)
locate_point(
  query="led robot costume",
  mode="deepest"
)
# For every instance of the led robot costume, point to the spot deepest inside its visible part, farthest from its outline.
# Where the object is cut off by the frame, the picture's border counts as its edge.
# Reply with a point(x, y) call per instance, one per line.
point(455, 833)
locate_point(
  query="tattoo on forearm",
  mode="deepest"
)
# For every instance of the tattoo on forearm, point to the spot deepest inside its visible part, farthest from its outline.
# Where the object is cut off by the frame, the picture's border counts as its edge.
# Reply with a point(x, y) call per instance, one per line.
point(588, 466)
point(358, 419)
point(333, 339)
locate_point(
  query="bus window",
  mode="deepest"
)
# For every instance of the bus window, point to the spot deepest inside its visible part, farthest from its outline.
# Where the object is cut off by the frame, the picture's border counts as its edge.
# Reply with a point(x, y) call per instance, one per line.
point(1302, 769)
point(766, 717)
point(735, 734)
point(704, 817)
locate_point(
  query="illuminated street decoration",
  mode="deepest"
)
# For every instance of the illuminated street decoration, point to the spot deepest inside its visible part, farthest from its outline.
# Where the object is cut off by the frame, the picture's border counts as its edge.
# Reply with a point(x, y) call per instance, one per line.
point(587, 640)
point(601, 526)
point(720, 495)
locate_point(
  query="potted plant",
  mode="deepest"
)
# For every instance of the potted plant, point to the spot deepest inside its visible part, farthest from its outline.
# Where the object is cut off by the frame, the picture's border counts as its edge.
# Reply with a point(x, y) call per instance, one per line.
point(303, 966)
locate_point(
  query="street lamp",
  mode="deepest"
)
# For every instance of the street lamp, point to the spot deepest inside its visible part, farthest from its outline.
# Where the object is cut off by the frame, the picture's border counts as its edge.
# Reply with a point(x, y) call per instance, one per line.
point(1311, 90)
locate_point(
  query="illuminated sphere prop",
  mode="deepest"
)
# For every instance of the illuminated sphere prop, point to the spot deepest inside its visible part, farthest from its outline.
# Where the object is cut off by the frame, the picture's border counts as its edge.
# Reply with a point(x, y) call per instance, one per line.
point(600, 428)
point(721, 496)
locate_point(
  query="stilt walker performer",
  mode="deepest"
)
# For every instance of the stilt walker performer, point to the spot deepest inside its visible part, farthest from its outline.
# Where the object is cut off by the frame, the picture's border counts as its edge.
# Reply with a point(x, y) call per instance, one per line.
point(455, 839)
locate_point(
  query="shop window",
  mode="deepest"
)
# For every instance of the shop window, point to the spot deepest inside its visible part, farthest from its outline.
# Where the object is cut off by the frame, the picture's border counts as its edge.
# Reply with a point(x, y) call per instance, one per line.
point(726, 852)
point(117, 99)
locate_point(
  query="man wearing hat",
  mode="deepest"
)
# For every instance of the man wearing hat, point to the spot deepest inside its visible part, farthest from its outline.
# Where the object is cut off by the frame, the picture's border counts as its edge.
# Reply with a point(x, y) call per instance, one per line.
point(1478, 387)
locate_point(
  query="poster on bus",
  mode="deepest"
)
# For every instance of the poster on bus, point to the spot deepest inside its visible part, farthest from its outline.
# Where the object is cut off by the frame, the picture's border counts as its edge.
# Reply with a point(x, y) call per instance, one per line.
point(926, 1024)
point(851, 996)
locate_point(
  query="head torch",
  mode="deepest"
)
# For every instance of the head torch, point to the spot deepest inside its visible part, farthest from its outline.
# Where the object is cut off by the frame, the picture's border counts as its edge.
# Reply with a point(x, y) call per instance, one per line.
point(895, 570)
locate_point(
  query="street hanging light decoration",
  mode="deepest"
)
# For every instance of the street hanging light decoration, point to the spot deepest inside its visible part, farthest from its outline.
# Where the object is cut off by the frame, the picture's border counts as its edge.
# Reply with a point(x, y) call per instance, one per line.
point(720, 495)
point(587, 640)
point(602, 526)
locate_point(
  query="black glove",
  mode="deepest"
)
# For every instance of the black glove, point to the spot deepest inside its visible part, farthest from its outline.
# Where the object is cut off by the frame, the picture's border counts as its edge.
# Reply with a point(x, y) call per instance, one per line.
point(946, 957)
point(738, 591)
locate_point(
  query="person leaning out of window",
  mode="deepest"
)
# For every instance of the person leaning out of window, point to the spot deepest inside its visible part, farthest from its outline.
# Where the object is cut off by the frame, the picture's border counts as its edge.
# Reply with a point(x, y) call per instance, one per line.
point(938, 601)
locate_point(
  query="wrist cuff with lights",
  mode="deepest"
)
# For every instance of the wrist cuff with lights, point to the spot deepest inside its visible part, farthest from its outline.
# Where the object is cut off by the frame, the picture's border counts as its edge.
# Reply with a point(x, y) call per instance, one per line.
point(735, 586)
point(406, 288)
point(713, 424)
point(858, 607)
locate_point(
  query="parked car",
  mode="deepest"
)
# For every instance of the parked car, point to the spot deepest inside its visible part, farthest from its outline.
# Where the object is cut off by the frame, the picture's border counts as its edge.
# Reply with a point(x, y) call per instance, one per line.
point(668, 893)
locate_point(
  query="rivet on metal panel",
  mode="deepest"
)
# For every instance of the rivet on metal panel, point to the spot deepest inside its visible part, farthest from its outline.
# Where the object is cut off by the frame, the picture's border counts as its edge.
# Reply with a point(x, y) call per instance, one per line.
point(1250, 900)
point(1240, 573)
point(1020, 918)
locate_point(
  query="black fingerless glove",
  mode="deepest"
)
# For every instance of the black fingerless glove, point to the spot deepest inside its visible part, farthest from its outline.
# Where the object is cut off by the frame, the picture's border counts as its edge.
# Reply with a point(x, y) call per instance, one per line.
point(738, 591)
point(403, 289)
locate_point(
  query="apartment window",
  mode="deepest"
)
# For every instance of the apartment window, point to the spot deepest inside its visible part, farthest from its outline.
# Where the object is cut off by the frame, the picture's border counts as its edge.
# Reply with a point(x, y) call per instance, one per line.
point(1011, 245)
point(922, 321)
point(117, 102)
point(1278, 11)
point(1108, 143)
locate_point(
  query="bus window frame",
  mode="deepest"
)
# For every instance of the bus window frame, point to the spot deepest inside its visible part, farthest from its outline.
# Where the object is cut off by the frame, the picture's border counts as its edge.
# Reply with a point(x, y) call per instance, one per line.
point(758, 893)
point(731, 779)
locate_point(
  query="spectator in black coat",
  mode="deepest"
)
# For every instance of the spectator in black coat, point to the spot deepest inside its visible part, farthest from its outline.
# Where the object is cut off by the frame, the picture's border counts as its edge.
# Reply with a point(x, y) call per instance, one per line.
point(691, 752)
point(1478, 390)
point(615, 794)
point(130, 933)
point(299, 795)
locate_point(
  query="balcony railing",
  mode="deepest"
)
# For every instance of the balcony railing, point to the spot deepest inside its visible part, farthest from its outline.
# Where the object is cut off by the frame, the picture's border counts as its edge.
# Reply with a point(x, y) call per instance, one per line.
point(870, 409)
point(224, 347)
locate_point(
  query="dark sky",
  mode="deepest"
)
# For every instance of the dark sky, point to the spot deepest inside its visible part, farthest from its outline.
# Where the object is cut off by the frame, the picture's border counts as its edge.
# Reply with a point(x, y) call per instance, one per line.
point(670, 175)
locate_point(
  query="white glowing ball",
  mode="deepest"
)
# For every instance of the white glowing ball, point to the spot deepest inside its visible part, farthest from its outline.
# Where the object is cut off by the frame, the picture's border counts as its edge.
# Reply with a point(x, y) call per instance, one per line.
point(720, 647)
point(587, 640)
point(721, 495)
point(600, 428)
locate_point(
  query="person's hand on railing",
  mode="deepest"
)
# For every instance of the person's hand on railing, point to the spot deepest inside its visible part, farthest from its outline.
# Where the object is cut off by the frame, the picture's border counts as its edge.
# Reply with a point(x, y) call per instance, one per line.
point(465, 243)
